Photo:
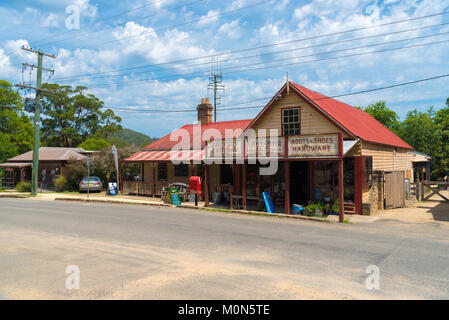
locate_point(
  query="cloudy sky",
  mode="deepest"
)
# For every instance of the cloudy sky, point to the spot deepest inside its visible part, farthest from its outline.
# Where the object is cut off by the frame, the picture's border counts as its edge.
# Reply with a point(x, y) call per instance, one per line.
point(156, 55)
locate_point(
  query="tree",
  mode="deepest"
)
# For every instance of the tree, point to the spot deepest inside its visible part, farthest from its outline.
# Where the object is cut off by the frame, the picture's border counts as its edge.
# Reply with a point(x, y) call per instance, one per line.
point(441, 159)
point(92, 144)
point(102, 166)
point(383, 114)
point(16, 129)
point(420, 131)
point(70, 116)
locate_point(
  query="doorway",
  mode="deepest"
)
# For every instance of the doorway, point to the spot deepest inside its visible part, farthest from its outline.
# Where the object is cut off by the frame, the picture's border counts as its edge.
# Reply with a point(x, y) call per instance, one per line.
point(298, 182)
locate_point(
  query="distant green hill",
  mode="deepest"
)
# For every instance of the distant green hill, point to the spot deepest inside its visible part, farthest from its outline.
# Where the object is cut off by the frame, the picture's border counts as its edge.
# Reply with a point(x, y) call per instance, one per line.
point(129, 137)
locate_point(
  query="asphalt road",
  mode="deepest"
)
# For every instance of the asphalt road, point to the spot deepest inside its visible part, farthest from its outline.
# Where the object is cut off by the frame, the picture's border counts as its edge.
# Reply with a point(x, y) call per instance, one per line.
point(144, 252)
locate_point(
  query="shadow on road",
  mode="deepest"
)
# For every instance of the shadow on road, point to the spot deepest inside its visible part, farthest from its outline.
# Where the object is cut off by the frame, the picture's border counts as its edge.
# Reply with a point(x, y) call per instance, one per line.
point(440, 212)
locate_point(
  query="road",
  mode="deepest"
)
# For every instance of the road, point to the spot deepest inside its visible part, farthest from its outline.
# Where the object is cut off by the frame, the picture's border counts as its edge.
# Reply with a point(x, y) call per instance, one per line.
point(144, 252)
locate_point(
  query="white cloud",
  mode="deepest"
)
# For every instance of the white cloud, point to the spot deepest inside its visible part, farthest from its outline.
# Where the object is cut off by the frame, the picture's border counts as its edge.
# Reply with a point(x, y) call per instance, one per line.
point(51, 21)
point(211, 17)
point(231, 29)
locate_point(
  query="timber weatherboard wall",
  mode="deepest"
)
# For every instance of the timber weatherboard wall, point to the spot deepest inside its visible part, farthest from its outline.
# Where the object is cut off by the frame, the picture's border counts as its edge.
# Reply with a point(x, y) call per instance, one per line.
point(384, 158)
point(311, 121)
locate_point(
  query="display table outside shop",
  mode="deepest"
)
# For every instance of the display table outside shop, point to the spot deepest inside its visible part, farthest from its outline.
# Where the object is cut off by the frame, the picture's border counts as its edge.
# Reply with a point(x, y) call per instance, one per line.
point(236, 200)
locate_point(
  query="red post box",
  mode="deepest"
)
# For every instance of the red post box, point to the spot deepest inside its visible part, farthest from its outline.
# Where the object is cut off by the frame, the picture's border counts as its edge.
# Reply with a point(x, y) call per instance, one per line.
point(195, 185)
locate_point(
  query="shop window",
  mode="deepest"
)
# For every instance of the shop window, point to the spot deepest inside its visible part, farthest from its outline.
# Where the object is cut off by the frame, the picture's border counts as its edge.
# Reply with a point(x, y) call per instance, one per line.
point(181, 170)
point(368, 170)
point(162, 171)
point(290, 122)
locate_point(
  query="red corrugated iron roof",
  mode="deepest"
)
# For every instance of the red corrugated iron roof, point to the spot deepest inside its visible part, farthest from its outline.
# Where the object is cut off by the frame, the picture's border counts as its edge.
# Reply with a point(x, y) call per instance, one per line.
point(165, 143)
point(356, 121)
point(187, 155)
point(352, 120)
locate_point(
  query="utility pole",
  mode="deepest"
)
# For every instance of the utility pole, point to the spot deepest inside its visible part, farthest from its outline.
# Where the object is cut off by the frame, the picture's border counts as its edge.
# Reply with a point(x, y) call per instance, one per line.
point(216, 84)
point(37, 113)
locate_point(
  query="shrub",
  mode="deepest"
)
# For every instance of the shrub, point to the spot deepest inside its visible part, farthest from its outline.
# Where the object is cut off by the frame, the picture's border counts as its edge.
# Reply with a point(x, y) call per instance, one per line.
point(23, 187)
point(61, 183)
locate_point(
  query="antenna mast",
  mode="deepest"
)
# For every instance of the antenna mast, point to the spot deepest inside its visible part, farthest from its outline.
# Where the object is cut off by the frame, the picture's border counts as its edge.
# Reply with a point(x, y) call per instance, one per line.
point(216, 83)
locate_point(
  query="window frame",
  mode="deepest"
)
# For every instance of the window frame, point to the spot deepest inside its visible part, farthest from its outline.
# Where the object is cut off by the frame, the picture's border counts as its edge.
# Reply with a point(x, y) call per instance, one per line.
point(283, 110)
point(162, 167)
point(368, 170)
point(185, 170)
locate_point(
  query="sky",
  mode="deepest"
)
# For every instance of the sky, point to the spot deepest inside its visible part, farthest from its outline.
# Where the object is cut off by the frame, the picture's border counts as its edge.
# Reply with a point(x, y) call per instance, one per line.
point(157, 54)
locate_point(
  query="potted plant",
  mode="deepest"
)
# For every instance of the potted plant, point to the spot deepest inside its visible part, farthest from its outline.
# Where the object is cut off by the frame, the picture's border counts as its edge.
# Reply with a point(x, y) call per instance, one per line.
point(335, 208)
point(315, 209)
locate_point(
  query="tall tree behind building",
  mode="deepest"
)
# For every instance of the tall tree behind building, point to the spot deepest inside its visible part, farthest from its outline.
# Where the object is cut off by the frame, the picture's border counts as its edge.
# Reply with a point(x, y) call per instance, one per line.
point(16, 129)
point(70, 116)
point(383, 114)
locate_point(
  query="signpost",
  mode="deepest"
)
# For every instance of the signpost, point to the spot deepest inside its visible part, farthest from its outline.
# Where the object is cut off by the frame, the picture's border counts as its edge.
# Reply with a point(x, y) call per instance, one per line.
point(88, 175)
point(114, 153)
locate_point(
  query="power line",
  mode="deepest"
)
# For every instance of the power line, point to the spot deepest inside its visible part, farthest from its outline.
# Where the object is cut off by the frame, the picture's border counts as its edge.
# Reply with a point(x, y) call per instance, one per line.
point(266, 46)
point(316, 99)
point(95, 31)
point(178, 25)
point(203, 73)
point(101, 74)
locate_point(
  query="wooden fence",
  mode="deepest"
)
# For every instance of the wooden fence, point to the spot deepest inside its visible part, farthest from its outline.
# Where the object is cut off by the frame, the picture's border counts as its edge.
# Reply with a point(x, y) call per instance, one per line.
point(140, 188)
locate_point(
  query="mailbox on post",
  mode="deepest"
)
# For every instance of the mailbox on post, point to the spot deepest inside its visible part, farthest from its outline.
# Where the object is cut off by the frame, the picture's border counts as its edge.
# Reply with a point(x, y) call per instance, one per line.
point(195, 187)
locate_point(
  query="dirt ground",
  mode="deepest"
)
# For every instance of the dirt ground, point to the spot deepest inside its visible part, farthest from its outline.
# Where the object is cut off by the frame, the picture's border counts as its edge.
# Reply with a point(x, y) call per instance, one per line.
point(433, 210)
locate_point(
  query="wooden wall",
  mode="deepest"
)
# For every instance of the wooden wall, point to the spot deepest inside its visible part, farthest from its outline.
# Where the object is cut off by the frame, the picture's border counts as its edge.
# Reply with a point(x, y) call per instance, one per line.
point(384, 158)
point(312, 122)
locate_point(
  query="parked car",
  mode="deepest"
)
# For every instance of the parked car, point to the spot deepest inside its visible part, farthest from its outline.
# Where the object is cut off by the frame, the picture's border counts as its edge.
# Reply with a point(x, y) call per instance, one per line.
point(91, 183)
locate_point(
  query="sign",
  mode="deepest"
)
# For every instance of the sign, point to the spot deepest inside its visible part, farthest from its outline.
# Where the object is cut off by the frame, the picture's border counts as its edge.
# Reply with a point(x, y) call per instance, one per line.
point(268, 202)
point(174, 196)
point(263, 147)
point(311, 146)
point(113, 190)
point(222, 149)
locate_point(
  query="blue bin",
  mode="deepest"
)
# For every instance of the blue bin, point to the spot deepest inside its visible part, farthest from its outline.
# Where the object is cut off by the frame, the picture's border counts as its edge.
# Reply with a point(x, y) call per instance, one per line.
point(297, 209)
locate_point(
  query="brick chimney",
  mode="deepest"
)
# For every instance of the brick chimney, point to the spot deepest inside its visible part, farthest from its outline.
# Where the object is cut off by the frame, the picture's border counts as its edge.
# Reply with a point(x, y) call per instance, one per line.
point(204, 111)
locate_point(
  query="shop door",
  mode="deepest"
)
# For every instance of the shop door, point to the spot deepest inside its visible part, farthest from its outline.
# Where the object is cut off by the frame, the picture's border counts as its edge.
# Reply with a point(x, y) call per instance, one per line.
point(298, 183)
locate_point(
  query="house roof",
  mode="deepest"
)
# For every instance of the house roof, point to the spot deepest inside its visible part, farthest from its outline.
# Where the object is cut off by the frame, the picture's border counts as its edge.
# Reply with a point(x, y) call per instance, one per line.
point(186, 155)
point(16, 165)
point(165, 143)
point(354, 120)
point(51, 154)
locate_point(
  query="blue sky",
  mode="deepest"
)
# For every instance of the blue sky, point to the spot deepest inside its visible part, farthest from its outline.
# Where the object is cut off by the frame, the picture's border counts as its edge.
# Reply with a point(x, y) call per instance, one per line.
point(126, 35)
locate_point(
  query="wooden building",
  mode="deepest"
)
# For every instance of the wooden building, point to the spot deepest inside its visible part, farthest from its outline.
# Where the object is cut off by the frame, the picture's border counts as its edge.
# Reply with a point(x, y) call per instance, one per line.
point(329, 151)
point(52, 163)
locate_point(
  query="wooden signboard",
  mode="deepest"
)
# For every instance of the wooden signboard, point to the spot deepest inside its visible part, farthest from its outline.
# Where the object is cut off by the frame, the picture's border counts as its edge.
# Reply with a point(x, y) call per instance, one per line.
point(174, 196)
point(264, 147)
point(310, 146)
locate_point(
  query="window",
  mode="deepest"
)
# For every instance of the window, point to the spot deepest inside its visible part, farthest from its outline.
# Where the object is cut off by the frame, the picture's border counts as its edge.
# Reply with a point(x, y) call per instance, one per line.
point(181, 170)
point(291, 121)
point(368, 170)
point(162, 171)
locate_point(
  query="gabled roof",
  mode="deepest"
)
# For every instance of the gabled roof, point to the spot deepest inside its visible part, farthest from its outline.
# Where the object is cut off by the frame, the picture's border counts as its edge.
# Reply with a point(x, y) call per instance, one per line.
point(52, 154)
point(164, 143)
point(358, 122)
point(353, 121)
